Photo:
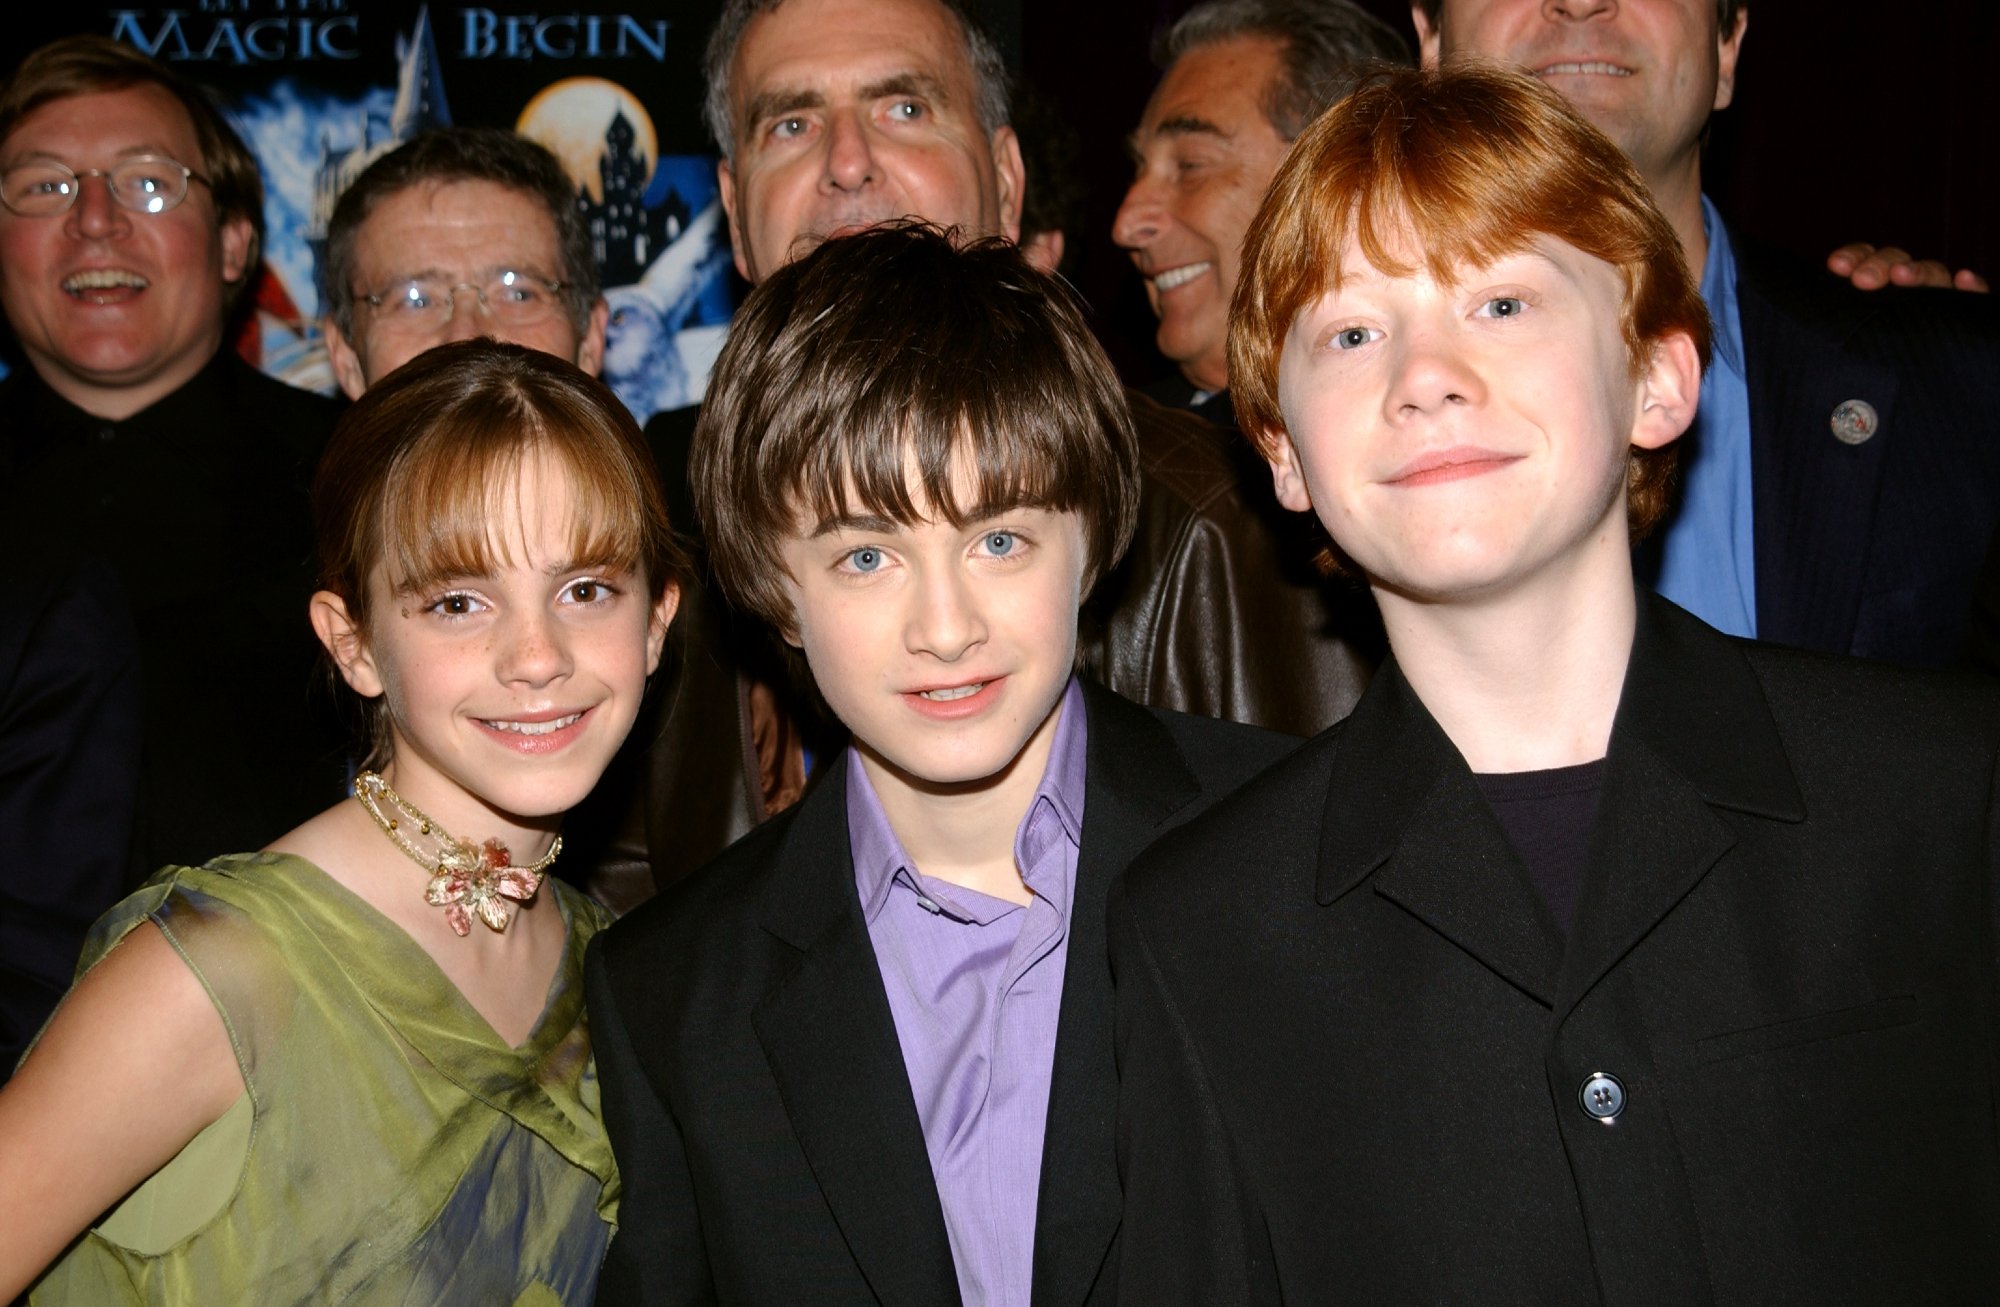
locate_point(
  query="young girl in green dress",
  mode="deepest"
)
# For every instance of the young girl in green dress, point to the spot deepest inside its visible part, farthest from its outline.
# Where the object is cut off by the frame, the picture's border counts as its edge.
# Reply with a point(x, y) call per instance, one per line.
point(353, 1067)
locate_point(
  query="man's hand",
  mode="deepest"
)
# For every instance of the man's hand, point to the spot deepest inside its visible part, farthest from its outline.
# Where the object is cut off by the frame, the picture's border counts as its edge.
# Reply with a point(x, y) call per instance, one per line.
point(1871, 268)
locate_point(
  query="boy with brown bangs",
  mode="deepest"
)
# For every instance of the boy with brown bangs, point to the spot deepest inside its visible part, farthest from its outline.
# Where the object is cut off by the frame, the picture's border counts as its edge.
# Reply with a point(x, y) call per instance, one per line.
point(1597, 957)
point(866, 1055)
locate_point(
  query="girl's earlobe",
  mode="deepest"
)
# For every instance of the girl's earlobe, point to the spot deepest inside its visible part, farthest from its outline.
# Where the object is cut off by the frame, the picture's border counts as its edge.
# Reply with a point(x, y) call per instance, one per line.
point(344, 642)
point(664, 609)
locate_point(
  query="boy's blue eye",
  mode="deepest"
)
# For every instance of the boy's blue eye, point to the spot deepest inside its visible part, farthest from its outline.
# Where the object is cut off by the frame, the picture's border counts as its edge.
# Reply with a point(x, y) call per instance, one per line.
point(1504, 306)
point(865, 560)
point(1354, 337)
point(999, 543)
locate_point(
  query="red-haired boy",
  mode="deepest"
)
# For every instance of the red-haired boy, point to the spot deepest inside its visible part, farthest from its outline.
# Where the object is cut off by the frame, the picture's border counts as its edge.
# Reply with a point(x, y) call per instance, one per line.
point(1597, 956)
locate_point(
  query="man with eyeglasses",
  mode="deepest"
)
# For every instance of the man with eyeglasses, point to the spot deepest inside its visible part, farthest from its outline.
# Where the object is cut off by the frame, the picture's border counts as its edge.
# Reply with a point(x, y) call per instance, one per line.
point(153, 489)
point(461, 232)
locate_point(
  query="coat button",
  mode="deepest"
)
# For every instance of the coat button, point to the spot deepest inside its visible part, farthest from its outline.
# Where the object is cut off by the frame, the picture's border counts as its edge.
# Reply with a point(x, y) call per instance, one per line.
point(1854, 421)
point(1602, 1096)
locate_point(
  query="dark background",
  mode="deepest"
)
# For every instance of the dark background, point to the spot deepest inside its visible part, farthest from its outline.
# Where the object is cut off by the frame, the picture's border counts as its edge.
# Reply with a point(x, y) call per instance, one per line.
point(1853, 120)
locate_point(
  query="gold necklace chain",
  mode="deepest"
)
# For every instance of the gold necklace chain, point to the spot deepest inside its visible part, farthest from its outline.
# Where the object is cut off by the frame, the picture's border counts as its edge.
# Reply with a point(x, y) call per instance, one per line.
point(466, 879)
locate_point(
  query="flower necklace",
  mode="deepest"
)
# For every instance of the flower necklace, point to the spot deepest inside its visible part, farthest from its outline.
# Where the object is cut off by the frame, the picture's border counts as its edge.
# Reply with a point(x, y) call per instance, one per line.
point(463, 876)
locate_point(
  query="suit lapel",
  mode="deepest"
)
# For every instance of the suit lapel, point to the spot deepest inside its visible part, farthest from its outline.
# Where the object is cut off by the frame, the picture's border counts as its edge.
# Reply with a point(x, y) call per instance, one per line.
point(831, 1040)
point(1401, 800)
point(1655, 839)
point(1693, 733)
point(1135, 779)
point(831, 1043)
point(1813, 496)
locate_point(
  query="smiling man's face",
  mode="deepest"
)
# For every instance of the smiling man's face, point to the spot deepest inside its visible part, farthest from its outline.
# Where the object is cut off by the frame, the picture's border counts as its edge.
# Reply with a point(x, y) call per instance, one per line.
point(1647, 73)
point(116, 308)
point(1205, 154)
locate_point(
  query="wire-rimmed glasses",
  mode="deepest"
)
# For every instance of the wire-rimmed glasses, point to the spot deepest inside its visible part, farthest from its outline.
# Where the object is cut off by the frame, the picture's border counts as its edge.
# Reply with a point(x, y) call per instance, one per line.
point(145, 183)
point(508, 296)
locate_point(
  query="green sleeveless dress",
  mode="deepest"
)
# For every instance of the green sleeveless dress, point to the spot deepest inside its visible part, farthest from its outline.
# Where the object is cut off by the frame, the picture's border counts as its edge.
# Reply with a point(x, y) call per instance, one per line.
point(389, 1149)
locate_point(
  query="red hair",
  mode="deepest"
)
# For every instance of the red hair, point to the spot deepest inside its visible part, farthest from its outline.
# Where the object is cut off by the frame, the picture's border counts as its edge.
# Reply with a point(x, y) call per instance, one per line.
point(1469, 162)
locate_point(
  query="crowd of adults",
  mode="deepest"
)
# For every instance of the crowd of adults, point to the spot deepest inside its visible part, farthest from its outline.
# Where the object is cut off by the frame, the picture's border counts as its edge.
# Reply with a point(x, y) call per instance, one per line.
point(1841, 491)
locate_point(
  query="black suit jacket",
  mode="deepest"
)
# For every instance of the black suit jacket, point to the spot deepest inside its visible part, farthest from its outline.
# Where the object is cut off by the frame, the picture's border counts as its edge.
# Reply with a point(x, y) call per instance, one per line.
point(1351, 1043)
point(1874, 548)
point(766, 1135)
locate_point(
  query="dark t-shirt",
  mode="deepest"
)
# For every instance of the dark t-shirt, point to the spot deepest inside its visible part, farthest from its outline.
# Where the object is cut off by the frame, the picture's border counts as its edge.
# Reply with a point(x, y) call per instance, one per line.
point(1547, 816)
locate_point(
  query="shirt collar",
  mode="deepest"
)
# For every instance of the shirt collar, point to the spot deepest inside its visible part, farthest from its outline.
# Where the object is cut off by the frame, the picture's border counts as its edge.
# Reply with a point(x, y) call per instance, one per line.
point(878, 854)
point(1062, 787)
point(1718, 290)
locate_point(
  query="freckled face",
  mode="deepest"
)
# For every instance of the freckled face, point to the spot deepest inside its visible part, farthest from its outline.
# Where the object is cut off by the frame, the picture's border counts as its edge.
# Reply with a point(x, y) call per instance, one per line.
point(944, 649)
point(850, 113)
point(116, 308)
point(1462, 440)
point(510, 692)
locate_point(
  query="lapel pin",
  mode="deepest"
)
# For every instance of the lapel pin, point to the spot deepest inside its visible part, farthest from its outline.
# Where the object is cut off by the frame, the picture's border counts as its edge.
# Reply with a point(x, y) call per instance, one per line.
point(1854, 421)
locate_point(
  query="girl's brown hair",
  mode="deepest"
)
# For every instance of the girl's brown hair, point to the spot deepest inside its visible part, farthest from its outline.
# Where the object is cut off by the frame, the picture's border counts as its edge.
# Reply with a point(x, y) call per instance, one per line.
point(417, 472)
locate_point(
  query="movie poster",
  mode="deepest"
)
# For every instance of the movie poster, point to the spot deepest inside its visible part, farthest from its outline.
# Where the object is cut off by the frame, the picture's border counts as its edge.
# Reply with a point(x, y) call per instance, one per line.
point(320, 88)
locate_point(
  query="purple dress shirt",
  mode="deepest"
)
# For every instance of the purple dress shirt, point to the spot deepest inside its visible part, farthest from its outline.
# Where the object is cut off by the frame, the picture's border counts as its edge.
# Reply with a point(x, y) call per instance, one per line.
point(975, 986)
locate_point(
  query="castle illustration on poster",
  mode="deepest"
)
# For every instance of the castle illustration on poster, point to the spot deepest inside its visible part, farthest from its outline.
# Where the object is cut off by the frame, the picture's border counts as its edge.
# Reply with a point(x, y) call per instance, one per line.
point(654, 220)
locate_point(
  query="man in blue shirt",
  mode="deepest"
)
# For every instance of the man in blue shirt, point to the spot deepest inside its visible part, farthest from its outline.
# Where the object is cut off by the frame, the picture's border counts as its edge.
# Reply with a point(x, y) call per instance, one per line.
point(1706, 561)
point(1842, 482)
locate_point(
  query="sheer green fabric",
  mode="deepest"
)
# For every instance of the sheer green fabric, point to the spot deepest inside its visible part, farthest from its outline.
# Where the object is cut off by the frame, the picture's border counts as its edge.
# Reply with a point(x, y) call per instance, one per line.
point(397, 1151)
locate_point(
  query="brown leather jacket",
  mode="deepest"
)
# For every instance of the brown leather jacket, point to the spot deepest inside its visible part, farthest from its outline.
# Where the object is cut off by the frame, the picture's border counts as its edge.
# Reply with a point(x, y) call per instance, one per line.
point(1216, 610)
